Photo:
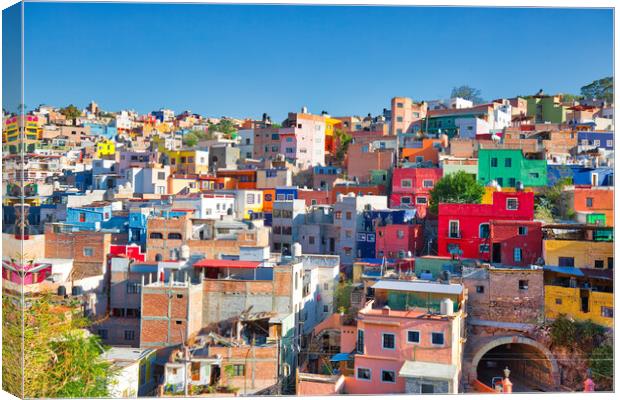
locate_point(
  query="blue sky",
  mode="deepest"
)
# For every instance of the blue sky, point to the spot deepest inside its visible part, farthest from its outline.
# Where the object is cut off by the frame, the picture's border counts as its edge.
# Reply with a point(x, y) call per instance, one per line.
point(245, 60)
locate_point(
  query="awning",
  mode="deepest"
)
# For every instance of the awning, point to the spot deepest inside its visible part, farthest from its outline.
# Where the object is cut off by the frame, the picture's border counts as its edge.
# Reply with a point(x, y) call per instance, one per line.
point(564, 270)
point(341, 357)
point(226, 264)
point(418, 369)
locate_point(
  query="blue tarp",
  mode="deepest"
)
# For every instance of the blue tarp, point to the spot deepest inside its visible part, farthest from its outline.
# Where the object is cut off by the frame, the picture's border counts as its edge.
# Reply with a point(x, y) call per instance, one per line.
point(341, 357)
point(564, 270)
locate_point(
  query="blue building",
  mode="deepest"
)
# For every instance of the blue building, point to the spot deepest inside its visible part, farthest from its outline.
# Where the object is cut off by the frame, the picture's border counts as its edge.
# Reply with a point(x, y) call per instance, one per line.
point(98, 218)
point(107, 131)
point(367, 237)
point(601, 140)
point(580, 175)
point(286, 193)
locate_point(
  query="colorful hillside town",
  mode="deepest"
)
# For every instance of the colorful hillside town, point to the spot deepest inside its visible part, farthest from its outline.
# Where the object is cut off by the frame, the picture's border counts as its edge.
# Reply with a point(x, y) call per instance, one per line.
point(439, 246)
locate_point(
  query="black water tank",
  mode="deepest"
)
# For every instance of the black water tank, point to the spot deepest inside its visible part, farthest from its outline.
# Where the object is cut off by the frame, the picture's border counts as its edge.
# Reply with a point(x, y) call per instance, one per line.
point(62, 291)
point(76, 291)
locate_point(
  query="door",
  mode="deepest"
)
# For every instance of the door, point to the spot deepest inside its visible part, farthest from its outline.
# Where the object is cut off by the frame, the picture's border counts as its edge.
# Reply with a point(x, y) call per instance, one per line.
point(497, 252)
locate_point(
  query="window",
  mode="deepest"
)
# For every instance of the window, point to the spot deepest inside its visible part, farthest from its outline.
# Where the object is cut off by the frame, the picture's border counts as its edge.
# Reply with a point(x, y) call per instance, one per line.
point(599, 264)
point(523, 284)
point(250, 198)
point(421, 200)
point(400, 234)
point(610, 263)
point(338, 215)
point(325, 286)
point(589, 202)
point(348, 215)
point(522, 230)
point(512, 203)
point(130, 335)
point(508, 162)
point(426, 388)
point(363, 374)
point(428, 183)
point(310, 239)
point(484, 230)
point(161, 175)
point(325, 308)
point(88, 252)
point(479, 289)
point(610, 143)
point(399, 119)
point(517, 254)
point(454, 229)
point(413, 337)
point(484, 248)
point(558, 301)
point(388, 376)
point(566, 261)
point(133, 287)
point(82, 217)
point(178, 322)
point(500, 181)
point(405, 200)
point(607, 312)
point(179, 296)
point(156, 235)
point(176, 236)
point(512, 182)
point(360, 341)
point(405, 183)
point(419, 159)
point(348, 233)
point(103, 333)
point(597, 142)
point(437, 338)
point(494, 162)
point(238, 370)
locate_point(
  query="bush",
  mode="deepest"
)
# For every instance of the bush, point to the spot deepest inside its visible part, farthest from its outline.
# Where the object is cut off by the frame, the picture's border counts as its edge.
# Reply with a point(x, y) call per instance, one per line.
point(602, 363)
point(563, 331)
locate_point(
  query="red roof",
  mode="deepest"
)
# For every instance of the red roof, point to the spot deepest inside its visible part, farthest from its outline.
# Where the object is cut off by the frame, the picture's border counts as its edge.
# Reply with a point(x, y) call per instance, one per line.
point(206, 263)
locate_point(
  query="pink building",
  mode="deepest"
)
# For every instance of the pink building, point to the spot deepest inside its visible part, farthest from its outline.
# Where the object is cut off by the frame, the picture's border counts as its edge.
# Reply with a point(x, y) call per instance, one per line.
point(364, 157)
point(409, 339)
point(411, 187)
point(396, 241)
point(465, 229)
point(309, 139)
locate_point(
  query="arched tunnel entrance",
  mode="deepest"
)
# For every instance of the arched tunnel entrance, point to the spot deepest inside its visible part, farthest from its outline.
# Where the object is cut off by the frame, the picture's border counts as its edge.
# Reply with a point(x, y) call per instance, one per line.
point(532, 366)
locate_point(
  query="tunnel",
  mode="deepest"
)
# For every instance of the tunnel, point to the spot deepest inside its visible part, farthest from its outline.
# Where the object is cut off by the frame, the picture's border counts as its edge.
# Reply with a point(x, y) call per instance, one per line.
point(532, 367)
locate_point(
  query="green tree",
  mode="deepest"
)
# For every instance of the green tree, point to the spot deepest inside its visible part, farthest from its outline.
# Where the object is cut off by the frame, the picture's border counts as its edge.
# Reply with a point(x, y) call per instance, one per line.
point(549, 202)
point(343, 295)
point(563, 331)
point(190, 139)
point(61, 359)
point(225, 126)
point(344, 140)
point(468, 93)
point(602, 363)
point(71, 112)
point(602, 89)
point(459, 187)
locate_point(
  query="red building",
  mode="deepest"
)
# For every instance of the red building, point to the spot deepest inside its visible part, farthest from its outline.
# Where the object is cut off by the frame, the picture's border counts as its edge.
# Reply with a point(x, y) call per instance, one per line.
point(516, 243)
point(465, 229)
point(411, 187)
point(395, 241)
point(313, 197)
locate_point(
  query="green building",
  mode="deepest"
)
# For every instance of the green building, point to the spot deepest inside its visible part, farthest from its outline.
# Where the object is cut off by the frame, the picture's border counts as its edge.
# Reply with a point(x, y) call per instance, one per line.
point(446, 124)
point(509, 167)
point(546, 109)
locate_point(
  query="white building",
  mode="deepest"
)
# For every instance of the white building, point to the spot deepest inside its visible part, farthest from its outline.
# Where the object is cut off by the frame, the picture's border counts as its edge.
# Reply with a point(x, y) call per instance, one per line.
point(348, 217)
point(246, 143)
point(207, 206)
point(152, 180)
point(470, 127)
point(135, 366)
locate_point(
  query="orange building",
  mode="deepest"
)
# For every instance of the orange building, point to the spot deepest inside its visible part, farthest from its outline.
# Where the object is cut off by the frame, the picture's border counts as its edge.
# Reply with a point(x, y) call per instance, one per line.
point(593, 200)
point(426, 150)
point(244, 178)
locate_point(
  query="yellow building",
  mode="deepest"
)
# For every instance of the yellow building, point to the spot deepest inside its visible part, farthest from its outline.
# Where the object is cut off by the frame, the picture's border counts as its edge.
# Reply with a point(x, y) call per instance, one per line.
point(572, 302)
point(189, 161)
point(178, 183)
point(579, 253)
point(106, 148)
point(487, 197)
